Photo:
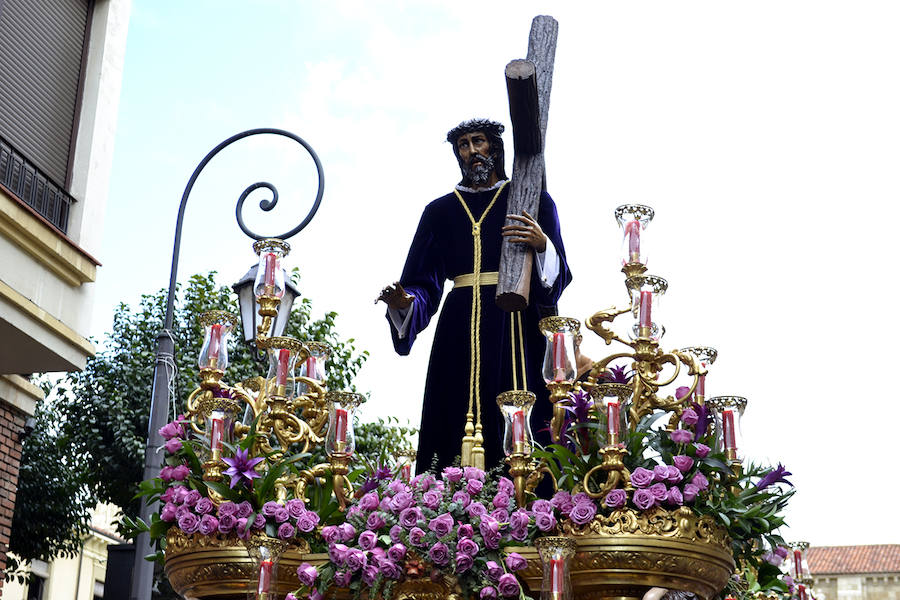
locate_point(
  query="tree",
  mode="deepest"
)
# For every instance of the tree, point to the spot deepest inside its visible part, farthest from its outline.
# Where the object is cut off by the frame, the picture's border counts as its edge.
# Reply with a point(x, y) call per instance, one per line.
point(88, 443)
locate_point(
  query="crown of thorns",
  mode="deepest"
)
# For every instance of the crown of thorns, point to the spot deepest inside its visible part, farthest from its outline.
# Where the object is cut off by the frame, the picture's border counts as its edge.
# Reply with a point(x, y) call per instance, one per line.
point(486, 125)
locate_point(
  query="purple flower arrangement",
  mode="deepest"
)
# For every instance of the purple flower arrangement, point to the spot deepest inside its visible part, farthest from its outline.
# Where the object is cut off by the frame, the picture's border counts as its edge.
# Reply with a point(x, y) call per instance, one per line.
point(456, 524)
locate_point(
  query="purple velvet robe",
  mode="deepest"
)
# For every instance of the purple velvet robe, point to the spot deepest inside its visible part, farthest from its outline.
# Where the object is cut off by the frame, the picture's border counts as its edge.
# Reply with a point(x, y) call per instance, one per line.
point(443, 249)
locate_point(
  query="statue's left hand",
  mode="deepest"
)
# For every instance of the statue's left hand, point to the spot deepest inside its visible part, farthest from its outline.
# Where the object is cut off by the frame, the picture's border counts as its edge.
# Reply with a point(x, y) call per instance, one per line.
point(529, 232)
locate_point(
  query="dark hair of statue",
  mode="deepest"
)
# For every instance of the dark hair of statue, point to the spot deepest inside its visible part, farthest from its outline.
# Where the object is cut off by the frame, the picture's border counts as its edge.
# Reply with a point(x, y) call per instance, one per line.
point(493, 131)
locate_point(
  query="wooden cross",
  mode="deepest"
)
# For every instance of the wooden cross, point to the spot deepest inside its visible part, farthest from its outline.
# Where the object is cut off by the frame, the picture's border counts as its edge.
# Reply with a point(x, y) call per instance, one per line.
point(528, 85)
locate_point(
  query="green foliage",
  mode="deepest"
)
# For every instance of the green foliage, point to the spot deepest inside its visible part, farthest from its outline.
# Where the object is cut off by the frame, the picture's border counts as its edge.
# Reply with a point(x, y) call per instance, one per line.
point(88, 444)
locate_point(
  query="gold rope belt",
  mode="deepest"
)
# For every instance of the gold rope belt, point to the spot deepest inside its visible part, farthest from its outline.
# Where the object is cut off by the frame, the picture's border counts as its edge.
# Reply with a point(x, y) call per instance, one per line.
point(468, 279)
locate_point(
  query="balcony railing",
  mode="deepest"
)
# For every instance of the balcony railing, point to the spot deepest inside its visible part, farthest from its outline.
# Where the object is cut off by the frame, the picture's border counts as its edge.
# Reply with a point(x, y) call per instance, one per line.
point(34, 188)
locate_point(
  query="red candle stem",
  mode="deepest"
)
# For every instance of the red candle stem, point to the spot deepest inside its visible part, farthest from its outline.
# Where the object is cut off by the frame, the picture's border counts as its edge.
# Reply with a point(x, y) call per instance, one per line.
point(559, 356)
point(216, 433)
point(340, 425)
point(311, 367)
point(265, 577)
point(646, 303)
point(271, 261)
point(284, 357)
point(215, 342)
point(406, 472)
point(798, 564)
point(728, 430)
point(557, 575)
point(701, 386)
point(518, 427)
point(801, 592)
point(633, 230)
point(612, 418)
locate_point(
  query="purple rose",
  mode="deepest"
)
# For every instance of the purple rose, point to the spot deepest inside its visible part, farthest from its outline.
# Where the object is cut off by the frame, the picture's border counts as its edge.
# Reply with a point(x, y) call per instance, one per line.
point(518, 534)
point(519, 519)
point(166, 474)
point(282, 514)
point(643, 499)
point(641, 477)
point(331, 534)
point(180, 473)
point(168, 512)
point(286, 531)
point(471, 473)
point(208, 525)
point(476, 509)
point(182, 510)
point(401, 501)
point(462, 498)
point(169, 494)
point(242, 529)
point(660, 472)
point(173, 445)
point(441, 525)
point(501, 514)
point(674, 497)
point(338, 553)
point(171, 430)
point(432, 499)
point(464, 531)
point(307, 574)
point(562, 501)
point(505, 486)
point(545, 521)
point(375, 521)
point(308, 521)
point(367, 540)
point(494, 571)
point(356, 559)
point(508, 585)
point(464, 562)
point(227, 508)
point(473, 486)
point(541, 506)
point(204, 506)
point(683, 463)
point(259, 522)
point(681, 392)
point(410, 517)
point(314, 594)
point(699, 479)
point(369, 502)
point(385, 504)
point(342, 578)
point(616, 498)
point(270, 508)
point(681, 436)
point(397, 486)
point(397, 552)
point(370, 574)
point(389, 569)
point(488, 593)
point(515, 562)
point(348, 533)
point(772, 558)
point(181, 494)
point(467, 546)
point(295, 508)
point(244, 510)
point(690, 492)
point(395, 533)
point(439, 554)
point(453, 474)
point(189, 523)
point(416, 536)
point(659, 491)
point(702, 450)
point(501, 500)
point(782, 551)
point(290, 596)
point(583, 513)
point(226, 522)
point(675, 475)
point(690, 417)
point(490, 531)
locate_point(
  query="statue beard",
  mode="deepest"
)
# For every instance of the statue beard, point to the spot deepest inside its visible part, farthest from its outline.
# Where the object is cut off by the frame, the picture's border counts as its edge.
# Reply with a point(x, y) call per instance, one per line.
point(479, 174)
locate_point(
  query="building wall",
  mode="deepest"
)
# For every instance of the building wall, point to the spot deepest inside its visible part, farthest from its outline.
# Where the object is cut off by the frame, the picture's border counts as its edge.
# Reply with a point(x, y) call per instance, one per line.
point(876, 586)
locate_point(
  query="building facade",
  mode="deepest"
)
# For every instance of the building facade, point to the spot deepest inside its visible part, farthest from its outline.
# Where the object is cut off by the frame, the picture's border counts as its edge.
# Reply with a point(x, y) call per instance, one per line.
point(60, 76)
point(855, 572)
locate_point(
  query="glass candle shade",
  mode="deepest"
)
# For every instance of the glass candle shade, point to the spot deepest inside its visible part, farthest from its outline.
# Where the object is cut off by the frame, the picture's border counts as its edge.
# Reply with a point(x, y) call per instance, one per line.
point(728, 411)
point(217, 325)
point(797, 565)
point(614, 399)
point(269, 274)
point(283, 353)
point(515, 406)
point(406, 460)
point(341, 407)
point(265, 553)
point(706, 355)
point(633, 220)
point(315, 364)
point(646, 291)
point(559, 355)
point(556, 553)
point(219, 414)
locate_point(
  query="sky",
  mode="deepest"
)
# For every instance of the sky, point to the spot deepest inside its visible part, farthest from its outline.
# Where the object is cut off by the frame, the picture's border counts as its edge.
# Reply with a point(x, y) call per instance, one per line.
point(765, 135)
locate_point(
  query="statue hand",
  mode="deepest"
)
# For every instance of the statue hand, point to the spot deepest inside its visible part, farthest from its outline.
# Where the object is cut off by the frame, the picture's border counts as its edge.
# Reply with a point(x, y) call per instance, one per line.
point(395, 296)
point(529, 232)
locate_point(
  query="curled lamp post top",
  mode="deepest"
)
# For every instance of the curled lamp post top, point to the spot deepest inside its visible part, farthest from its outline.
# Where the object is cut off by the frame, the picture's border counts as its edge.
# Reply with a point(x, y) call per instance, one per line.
point(265, 204)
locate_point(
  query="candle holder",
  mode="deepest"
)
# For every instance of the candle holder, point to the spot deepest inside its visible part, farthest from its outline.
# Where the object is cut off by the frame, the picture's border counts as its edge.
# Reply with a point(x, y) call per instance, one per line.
point(559, 365)
point(283, 353)
point(646, 291)
point(315, 365)
point(406, 460)
point(797, 565)
point(728, 411)
point(340, 438)
point(633, 220)
point(614, 397)
point(556, 553)
point(516, 405)
point(219, 414)
point(265, 552)
point(706, 355)
point(269, 283)
point(213, 358)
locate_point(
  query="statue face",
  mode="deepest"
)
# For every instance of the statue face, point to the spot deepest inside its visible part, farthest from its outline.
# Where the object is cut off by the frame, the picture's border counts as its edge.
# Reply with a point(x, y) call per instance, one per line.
point(475, 159)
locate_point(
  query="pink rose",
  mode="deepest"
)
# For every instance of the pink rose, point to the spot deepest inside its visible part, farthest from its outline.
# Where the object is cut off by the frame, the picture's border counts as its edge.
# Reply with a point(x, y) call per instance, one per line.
point(331, 534)
point(441, 525)
point(464, 531)
point(508, 585)
point(180, 473)
point(416, 536)
point(519, 519)
point(397, 552)
point(375, 521)
point(168, 512)
point(295, 508)
point(494, 570)
point(473, 473)
point(467, 546)
point(505, 486)
point(189, 523)
point(282, 514)
point(681, 436)
point(462, 498)
point(356, 559)
point(562, 501)
point(501, 500)
point(347, 532)
point(173, 445)
point(689, 417)
point(542, 506)
point(226, 523)
point(204, 506)
point(476, 510)
point(453, 474)
point(464, 562)
point(401, 501)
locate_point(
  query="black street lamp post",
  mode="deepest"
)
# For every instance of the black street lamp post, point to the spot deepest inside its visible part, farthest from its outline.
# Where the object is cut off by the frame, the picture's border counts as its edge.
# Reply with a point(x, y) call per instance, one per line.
point(142, 575)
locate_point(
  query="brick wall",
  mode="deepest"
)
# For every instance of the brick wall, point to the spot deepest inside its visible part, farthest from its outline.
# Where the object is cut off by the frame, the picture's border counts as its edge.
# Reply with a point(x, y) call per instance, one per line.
point(12, 421)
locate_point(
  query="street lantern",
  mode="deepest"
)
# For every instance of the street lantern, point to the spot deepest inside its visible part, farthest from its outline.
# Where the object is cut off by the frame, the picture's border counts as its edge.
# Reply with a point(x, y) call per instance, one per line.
point(250, 307)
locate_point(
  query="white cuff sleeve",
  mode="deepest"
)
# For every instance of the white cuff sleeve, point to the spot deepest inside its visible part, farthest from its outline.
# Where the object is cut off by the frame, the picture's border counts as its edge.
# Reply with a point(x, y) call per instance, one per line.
point(400, 318)
point(548, 265)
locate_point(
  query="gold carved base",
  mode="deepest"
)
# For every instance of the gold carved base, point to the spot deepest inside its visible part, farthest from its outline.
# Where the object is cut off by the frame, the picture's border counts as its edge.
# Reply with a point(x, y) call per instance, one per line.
point(624, 555)
point(219, 567)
